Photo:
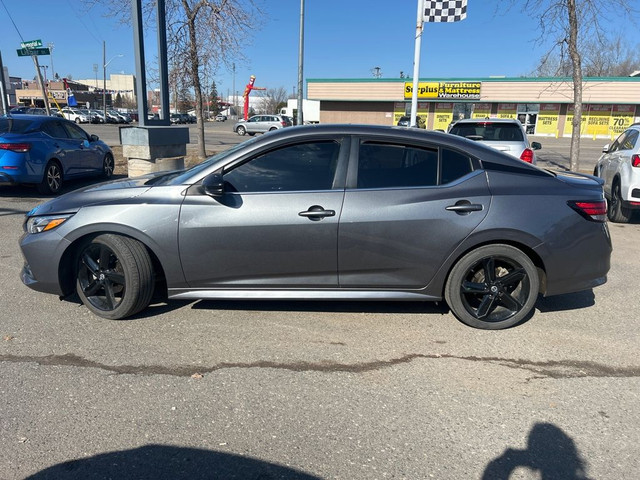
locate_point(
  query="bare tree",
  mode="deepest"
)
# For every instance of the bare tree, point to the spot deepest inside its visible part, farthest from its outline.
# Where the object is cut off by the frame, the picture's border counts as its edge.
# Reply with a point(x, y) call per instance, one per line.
point(273, 99)
point(565, 22)
point(200, 33)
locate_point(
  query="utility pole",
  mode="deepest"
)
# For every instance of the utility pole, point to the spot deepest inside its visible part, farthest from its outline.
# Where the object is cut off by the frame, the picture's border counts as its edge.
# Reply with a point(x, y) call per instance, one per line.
point(300, 65)
point(3, 93)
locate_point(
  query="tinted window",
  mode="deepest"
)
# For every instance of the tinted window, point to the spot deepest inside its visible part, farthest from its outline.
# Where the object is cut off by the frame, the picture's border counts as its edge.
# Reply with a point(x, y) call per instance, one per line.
point(386, 166)
point(75, 132)
point(14, 126)
point(454, 165)
point(629, 141)
point(504, 132)
point(55, 130)
point(307, 166)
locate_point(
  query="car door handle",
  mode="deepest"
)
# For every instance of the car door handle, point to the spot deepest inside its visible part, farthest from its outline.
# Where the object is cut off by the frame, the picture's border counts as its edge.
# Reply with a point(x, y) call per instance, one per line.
point(464, 207)
point(316, 212)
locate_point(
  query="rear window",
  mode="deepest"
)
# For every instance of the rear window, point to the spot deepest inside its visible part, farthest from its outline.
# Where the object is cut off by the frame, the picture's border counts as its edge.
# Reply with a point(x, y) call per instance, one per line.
point(12, 125)
point(501, 132)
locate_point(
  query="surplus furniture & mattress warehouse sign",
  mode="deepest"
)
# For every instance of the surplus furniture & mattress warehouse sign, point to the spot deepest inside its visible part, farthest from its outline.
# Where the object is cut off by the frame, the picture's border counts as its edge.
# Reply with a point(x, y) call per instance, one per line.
point(445, 90)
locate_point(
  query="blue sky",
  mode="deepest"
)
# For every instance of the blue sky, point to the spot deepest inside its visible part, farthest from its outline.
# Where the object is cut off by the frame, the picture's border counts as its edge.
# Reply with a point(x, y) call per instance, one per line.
point(343, 39)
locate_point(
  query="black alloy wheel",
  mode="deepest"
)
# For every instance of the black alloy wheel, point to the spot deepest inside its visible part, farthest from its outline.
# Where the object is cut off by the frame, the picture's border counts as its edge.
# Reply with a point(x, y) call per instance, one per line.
point(52, 179)
point(493, 287)
point(114, 276)
point(108, 165)
point(616, 211)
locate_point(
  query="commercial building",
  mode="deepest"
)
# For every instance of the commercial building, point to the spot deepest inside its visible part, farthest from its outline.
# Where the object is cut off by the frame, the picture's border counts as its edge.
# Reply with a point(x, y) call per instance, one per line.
point(543, 105)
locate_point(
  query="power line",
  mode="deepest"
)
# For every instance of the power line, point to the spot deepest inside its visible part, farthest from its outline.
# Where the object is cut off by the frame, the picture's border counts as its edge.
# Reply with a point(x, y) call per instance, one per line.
point(11, 18)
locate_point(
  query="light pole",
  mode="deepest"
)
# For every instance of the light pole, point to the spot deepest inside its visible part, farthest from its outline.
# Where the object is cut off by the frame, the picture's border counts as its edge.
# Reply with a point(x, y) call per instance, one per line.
point(105, 64)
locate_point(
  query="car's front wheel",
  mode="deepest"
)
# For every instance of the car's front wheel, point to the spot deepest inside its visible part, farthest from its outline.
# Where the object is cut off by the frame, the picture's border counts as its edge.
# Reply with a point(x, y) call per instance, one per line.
point(241, 131)
point(492, 287)
point(51, 179)
point(114, 276)
point(616, 211)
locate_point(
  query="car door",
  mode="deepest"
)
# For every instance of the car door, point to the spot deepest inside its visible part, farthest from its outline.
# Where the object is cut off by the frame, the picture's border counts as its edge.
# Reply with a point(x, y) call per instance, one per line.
point(253, 124)
point(84, 155)
point(275, 226)
point(406, 209)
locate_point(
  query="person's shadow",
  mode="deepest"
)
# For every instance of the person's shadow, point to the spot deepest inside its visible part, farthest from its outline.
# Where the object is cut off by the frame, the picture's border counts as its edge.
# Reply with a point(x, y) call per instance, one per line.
point(550, 452)
point(164, 462)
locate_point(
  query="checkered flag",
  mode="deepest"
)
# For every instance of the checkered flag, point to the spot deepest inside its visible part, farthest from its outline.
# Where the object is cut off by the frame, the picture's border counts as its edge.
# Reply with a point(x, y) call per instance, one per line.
point(445, 10)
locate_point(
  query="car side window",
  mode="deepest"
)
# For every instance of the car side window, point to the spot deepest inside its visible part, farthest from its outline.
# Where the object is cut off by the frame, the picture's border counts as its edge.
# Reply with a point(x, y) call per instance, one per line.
point(55, 130)
point(75, 132)
point(383, 165)
point(454, 166)
point(300, 167)
point(629, 140)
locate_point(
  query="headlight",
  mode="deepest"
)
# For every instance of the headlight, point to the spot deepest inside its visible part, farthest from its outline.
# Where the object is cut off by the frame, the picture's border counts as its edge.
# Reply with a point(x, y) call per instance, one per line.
point(45, 223)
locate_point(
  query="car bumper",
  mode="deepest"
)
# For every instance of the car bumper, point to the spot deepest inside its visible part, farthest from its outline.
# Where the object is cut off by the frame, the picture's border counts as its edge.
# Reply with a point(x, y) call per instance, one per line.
point(42, 253)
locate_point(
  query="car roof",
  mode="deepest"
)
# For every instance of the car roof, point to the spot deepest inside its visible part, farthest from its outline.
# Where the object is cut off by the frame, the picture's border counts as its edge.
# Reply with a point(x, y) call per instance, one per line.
point(490, 120)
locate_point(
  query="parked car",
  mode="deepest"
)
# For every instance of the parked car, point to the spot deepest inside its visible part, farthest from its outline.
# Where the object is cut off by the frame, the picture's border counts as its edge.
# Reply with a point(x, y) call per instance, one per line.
point(175, 119)
point(221, 118)
point(406, 121)
point(504, 134)
point(98, 115)
point(261, 124)
point(46, 151)
point(339, 212)
point(75, 115)
point(19, 110)
point(619, 167)
point(36, 111)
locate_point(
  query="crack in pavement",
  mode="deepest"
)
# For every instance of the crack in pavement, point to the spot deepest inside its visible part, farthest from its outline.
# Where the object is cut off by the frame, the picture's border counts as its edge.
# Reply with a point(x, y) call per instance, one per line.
point(556, 369)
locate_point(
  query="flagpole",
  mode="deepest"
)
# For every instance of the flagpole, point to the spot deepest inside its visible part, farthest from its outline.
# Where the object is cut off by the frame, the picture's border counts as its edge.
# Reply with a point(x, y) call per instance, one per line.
point(416, 62)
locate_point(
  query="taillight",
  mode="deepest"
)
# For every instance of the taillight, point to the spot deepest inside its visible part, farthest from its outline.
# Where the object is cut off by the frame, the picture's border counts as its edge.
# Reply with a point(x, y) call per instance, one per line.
point(635, 160)
point(16, 147)
point(527, 155)
point(595, 211)
point(284, 124)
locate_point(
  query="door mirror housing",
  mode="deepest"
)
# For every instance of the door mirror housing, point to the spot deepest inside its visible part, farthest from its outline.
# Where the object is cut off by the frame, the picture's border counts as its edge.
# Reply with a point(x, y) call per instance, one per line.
point(606, 148)
point(213, 185)
point(536, 145)
point(94, 138)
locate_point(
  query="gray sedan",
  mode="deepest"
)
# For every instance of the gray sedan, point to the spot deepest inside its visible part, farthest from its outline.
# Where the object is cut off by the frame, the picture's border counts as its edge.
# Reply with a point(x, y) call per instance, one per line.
point(329, 212)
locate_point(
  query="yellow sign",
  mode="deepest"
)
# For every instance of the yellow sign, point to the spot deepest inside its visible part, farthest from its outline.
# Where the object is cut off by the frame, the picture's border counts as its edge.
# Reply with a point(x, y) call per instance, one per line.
point(445, 90)
point(444, 116)
point(548, 117)
point(568, 124)
point(621, 119)
point(507, 110)
point(399, 109)
point(481, 110)
point(599, 117)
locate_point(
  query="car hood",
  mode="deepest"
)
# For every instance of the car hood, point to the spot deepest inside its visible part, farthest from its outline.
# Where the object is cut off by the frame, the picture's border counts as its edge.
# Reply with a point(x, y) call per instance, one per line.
point(108, 192)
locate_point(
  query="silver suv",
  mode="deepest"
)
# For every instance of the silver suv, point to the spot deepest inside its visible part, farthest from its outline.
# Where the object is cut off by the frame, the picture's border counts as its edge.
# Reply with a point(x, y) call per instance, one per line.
point(619, 167)
point(504, 134)
point(261, 124)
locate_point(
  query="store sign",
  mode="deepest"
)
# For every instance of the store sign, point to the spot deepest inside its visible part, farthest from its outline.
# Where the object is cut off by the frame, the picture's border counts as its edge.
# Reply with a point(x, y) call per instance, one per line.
point(445, 90)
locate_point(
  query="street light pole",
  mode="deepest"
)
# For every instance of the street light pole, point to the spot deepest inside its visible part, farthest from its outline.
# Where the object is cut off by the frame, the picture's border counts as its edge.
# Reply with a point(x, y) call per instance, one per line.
point(105, 64)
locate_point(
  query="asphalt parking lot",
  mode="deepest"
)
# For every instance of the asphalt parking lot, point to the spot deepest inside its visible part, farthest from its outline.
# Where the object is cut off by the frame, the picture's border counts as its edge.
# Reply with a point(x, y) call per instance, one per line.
point(305, 390)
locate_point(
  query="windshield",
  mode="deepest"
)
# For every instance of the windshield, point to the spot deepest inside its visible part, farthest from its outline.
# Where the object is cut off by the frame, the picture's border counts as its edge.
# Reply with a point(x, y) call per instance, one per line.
point(181, 177)
point(496, 131)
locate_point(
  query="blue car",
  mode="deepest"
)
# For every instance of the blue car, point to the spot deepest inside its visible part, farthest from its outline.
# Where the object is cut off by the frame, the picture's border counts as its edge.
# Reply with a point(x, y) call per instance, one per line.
point(46, 151)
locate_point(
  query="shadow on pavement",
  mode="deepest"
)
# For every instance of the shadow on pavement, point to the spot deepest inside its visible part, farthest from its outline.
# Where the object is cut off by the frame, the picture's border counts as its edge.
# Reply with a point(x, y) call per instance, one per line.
point(550, 453)
point(570, 301)
point(160, 462)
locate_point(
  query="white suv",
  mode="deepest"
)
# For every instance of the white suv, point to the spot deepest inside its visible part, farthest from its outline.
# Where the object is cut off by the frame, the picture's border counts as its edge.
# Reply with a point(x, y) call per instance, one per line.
point(619, 167)
point(75, 115)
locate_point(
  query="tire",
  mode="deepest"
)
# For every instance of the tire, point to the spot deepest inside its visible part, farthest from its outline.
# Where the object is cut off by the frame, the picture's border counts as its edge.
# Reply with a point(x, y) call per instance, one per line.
point(78, 120)
point(51, 183)
point(108, 166)
point(114, 276)
point(241, 131)
point(499, 300)
point(272, 129)
point(616, 211)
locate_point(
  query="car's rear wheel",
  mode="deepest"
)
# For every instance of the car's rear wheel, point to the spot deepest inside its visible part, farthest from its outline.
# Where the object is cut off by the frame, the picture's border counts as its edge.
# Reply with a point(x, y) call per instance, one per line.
point(492, 287)
point(108, 166)
point(241, 131)
point(114, 276)
point(616, 211)
point(51, 179)
point(78, 120)
point(272, 129)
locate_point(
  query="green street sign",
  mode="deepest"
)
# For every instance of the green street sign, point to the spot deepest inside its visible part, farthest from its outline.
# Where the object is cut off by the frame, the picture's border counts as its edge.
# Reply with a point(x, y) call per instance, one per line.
point(31, 44)
point(27, 52)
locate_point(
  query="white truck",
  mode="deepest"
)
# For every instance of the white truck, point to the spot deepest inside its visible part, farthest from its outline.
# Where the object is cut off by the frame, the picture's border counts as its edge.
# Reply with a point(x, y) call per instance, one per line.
point(310, 110)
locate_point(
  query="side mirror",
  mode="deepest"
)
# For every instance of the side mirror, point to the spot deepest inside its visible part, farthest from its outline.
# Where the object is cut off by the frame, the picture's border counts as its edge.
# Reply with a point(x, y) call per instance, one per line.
point(536, 145)
point(213, 185)
point(94, 138)
point(605, 149)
